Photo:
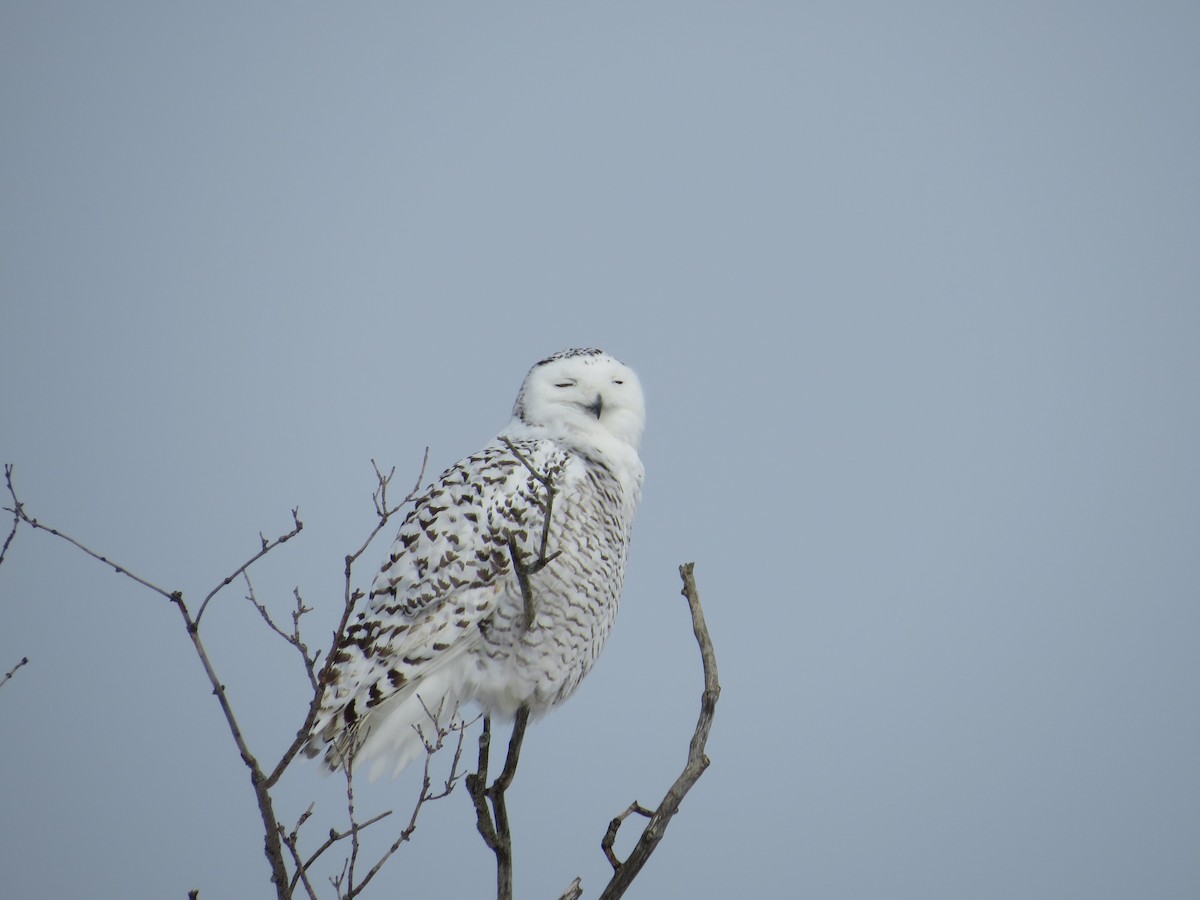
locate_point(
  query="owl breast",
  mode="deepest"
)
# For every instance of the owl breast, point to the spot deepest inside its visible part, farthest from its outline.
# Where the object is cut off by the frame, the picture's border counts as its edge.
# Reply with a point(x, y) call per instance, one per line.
point(575, 594)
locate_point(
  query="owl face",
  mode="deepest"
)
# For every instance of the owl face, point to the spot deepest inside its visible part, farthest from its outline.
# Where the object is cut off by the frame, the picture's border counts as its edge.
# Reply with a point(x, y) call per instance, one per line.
point(586, 392)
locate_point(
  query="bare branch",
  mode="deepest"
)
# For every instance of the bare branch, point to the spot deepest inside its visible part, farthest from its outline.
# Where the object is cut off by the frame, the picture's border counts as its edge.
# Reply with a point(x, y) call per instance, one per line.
point(697, 762)
point(574, 890)
point(267, 547)
point(273, 848)
point(15, 510)
point(334, 837)
point(427, 795)
point(290, 840)
point(13, 671)
point(18, 509)
point(610, 836)
point(493, 824)
point(293, 637)
point(350, 598)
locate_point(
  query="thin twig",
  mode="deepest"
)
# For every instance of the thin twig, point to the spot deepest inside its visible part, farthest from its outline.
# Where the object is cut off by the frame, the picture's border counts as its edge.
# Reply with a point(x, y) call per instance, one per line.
point(427, 795)
point(625, 872)
point(334, 837)
point(16, 511)
point(293, 637)
point(267, 547)
point(351, 597)
point(289, 841)
point(13, 671)
point(273, 846)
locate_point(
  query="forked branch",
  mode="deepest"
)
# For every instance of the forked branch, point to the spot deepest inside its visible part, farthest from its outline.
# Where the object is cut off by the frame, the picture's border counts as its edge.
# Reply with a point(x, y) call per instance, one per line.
point(625, 872)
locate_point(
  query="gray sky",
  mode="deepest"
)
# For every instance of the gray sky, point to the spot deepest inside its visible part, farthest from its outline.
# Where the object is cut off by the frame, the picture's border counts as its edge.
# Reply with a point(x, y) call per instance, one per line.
point(914, 292)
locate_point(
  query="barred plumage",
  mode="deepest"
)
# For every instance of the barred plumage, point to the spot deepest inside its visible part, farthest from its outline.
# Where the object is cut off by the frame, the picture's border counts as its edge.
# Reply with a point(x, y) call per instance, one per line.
point(550, 501)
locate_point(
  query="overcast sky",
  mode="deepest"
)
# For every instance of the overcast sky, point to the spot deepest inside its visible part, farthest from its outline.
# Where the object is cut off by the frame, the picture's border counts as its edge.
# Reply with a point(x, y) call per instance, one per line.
point(914, 292)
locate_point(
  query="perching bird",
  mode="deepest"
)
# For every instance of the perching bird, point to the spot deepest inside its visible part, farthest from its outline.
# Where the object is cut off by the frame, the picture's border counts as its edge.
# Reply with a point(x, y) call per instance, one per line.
point(503, 583)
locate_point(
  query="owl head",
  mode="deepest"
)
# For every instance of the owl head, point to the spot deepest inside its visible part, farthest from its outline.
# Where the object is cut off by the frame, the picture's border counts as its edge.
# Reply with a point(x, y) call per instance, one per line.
point(584, 393)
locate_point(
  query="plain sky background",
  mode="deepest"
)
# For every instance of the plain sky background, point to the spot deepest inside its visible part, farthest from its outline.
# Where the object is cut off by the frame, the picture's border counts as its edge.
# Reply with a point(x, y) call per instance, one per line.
point(914, 291)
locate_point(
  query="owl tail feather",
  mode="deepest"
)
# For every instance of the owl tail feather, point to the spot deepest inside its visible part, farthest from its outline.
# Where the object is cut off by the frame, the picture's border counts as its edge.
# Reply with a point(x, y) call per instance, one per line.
point(404, 727)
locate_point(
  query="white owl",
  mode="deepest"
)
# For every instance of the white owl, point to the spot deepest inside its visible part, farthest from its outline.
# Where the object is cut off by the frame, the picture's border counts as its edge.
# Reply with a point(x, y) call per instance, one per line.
point(446, 622)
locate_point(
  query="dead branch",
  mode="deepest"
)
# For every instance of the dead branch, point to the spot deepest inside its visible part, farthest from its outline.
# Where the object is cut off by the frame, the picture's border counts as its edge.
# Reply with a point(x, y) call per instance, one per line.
point(625, 872)
point(427, 795)
point(13, 671)
point(267, 547)
point(384, 512)
point(276, 838)
point(16, 511)
point(493, 824)
point(610, 836)
point(273, 847)
point(293, 637)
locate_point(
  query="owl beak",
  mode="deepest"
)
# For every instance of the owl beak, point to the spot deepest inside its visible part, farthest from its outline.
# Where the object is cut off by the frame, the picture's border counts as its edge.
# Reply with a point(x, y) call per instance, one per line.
point(596, 406)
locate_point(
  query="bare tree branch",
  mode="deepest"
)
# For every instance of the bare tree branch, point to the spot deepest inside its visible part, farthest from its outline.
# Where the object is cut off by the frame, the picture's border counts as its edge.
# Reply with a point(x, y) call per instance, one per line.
point(267, 547)
point(292, 637)
point(282, 847)
point(273, 848)
point(493, 824)
point(290, 840)
point(351, 596)
point(13, 671)
point(625, 872)
point(427, 794)
point(16, 511)
point(610, 836)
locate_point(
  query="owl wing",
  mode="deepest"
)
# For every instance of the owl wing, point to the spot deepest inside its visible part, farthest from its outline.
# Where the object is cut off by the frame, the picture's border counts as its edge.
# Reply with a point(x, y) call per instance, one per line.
point(446, 573)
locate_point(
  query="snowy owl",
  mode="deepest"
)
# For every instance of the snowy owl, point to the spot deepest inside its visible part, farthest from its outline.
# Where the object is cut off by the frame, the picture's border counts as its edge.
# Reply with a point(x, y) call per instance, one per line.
point(543, 513)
